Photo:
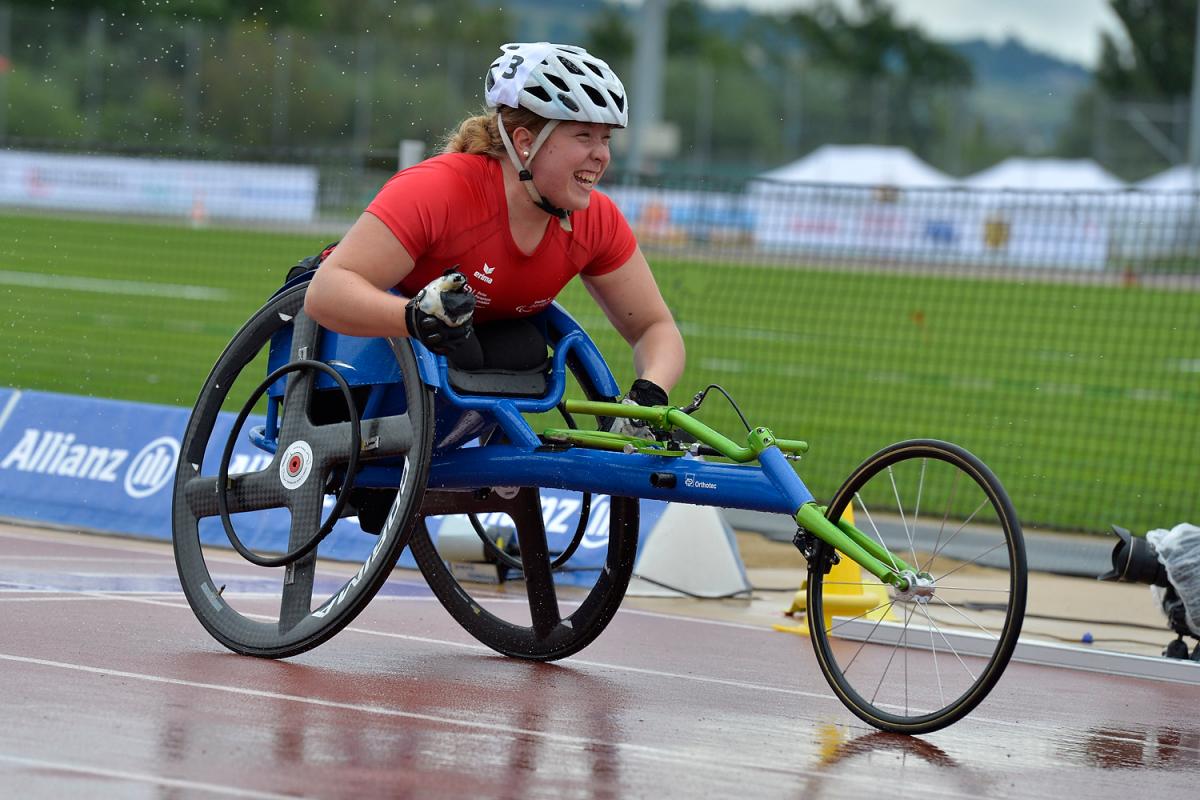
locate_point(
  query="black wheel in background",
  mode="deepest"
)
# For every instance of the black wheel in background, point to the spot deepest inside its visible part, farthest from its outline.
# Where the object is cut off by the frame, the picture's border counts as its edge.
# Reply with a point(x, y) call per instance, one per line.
point(276, 612)
point(529, 617)
point(532, 618)
point(919, 660)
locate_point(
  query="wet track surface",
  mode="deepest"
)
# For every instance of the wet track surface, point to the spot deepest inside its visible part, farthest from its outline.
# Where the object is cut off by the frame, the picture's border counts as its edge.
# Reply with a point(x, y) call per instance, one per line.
point(112, 689)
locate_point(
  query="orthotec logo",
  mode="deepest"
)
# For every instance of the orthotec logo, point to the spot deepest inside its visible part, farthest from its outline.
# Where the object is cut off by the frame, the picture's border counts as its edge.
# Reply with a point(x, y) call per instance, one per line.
point(690, 481)
point(152, 468)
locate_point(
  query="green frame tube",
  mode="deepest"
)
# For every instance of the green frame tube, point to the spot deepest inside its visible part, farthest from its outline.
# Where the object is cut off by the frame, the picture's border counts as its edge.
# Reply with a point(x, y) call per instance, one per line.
point(858, 546)
point(667, 417)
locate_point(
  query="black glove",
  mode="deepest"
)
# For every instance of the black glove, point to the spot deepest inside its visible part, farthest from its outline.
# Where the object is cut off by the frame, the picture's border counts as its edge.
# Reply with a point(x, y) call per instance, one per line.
point(647, 393)
point(642, 393)
point(439, 316)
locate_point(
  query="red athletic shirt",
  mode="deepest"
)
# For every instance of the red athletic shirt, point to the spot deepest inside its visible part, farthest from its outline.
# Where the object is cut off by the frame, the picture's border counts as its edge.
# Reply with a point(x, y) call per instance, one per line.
point(451, 210)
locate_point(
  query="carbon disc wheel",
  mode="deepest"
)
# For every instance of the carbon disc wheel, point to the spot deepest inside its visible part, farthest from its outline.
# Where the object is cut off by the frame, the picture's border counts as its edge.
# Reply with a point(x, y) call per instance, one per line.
point(914, 661)
point(530, 617)
point(276, 499)
point(534, 616)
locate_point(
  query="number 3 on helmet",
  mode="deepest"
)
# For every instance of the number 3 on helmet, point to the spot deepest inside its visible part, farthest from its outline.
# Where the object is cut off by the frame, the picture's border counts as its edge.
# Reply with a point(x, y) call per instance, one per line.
point(558, 82)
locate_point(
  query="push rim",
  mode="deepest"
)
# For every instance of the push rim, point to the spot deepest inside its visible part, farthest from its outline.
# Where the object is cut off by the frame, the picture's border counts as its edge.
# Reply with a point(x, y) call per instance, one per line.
point(287, 610)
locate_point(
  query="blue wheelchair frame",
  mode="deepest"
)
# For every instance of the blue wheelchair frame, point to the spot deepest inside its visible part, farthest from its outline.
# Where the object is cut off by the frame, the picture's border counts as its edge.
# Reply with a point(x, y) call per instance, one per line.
point(527, 460)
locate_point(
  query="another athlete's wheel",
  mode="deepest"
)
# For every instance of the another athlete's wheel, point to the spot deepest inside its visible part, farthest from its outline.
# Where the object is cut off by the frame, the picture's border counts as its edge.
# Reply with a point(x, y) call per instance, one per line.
point(276, 501)
point(529, 616)
point(917, 660)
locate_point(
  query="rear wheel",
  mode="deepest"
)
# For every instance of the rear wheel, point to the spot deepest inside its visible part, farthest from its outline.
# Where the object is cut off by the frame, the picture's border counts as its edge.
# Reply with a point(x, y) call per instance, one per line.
point(529, 616)
point(552, 607)
point(289, 586)
point(917, 660)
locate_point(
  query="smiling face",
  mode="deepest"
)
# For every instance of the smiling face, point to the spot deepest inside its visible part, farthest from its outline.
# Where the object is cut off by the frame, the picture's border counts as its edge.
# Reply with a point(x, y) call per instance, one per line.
point(571, 162)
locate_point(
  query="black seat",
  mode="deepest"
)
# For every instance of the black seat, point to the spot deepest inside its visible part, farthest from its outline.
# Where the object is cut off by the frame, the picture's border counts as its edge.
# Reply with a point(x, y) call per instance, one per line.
point(504, 357)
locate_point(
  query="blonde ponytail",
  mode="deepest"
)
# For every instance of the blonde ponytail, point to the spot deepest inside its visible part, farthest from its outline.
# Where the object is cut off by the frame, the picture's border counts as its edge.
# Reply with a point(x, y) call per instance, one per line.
point(480, 134)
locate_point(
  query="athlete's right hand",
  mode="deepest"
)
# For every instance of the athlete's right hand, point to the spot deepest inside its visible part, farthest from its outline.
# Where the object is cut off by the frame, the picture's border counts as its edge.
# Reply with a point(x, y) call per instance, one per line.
point(439, 316)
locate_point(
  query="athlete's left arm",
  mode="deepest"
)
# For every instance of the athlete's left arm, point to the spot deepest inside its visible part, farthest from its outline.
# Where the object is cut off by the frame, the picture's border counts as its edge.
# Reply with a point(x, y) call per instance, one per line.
point(630, 299)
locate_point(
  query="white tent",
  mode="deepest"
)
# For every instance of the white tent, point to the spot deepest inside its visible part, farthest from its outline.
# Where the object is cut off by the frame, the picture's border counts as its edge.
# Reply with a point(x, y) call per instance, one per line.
point(1037, 174)
point(860, 165)
point(1178, 178)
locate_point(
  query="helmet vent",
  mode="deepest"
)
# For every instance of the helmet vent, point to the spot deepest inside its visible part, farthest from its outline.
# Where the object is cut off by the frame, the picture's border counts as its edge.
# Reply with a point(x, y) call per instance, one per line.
point(539, 93)
point(595, 96)
point(558, 82)
point(618, 100)
point(599, 72)
point(568, 102)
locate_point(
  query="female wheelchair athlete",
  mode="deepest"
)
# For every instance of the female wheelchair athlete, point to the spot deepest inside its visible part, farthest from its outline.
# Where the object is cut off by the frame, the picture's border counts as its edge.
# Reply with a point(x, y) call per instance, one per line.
point(388, 432)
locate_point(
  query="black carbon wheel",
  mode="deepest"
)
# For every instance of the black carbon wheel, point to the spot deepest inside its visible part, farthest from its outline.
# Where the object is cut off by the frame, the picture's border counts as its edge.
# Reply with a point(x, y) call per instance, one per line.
point(532, 618)
point(530, 621)
point(279, 611)
point(918, 660)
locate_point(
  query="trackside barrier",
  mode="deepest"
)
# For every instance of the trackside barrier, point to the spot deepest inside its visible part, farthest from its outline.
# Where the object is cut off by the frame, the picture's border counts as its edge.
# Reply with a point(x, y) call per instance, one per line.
point(108, 466)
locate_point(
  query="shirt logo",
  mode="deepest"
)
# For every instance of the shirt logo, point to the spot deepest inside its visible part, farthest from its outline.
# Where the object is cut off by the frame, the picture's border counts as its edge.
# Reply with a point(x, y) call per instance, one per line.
point(485, 276)
point(536, 305)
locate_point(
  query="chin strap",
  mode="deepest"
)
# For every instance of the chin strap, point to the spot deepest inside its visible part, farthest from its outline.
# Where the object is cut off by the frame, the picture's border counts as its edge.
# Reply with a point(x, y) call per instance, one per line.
point(563, 216)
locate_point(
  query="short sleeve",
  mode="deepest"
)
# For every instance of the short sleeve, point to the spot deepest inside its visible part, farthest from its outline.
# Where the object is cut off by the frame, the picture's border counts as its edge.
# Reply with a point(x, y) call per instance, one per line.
point(610, 237)
point(415, 204)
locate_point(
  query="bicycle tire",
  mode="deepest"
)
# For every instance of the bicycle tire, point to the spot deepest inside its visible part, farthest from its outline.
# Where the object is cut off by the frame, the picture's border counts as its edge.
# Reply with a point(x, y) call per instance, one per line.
point(985, 554)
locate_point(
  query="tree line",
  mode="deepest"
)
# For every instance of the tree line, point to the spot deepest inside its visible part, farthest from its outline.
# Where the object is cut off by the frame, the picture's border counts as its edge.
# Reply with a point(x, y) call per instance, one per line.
point(235, 76)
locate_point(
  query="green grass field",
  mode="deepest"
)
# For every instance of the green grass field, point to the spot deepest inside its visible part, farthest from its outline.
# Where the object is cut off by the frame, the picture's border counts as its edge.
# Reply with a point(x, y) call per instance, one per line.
point(1081, 397)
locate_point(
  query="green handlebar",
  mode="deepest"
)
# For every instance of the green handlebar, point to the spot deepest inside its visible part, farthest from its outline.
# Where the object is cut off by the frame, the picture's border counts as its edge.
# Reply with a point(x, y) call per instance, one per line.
point(667, 417)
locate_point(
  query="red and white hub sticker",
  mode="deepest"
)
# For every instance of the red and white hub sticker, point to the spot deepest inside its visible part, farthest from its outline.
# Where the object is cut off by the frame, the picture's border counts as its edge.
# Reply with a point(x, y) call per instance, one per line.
point(295, 465)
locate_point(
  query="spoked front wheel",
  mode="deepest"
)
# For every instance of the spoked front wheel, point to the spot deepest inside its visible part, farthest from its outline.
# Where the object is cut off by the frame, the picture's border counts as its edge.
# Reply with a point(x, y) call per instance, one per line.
point(916, 660)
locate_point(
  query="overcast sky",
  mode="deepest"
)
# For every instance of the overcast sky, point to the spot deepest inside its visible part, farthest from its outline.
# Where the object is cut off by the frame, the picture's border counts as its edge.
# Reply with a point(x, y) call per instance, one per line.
point(1069, 29)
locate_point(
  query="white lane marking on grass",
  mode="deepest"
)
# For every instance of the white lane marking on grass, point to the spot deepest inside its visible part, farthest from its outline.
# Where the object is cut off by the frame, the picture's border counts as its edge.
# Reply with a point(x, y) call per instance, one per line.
point(8, 408)
point(73, 283)
point(721, 364)
point(221, 789)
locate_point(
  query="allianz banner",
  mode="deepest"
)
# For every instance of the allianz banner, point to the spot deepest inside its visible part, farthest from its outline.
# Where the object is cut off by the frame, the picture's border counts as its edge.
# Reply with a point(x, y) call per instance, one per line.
point(109, 466)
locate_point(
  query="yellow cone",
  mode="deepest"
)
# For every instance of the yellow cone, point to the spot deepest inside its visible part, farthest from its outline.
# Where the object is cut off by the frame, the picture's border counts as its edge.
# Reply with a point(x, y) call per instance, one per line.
point(848, 593)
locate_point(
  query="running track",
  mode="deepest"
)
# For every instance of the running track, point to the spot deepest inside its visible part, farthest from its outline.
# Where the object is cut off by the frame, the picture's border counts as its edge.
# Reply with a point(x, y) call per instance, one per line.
point(110, 688)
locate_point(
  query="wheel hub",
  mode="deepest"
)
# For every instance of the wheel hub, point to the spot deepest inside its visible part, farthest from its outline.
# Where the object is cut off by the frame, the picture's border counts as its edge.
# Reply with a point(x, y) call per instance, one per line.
point(920, 588)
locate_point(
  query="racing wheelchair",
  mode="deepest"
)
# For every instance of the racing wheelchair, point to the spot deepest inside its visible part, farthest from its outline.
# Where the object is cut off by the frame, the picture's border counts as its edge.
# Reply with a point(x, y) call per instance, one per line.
point(386, 434)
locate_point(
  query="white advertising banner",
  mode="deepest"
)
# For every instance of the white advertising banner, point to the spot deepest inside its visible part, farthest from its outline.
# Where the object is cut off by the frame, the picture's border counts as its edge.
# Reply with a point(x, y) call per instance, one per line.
point(193, 189)
point(983, 228)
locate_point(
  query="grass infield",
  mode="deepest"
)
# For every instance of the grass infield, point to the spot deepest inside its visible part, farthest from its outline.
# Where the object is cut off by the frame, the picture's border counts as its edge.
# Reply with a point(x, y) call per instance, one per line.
point(1081, 397)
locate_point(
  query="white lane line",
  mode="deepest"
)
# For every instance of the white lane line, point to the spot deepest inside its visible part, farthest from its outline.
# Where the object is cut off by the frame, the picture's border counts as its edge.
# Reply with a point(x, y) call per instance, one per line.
point(222, 789)
point(174, 291)
point(976, 717)
point(581, 743)
point(37, 599)
point(657, 673)
point(89, 559)
point(8, 407)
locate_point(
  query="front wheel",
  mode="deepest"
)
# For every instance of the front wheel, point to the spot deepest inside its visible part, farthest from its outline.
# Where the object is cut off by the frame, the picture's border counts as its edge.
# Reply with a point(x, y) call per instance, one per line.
point(914, 661)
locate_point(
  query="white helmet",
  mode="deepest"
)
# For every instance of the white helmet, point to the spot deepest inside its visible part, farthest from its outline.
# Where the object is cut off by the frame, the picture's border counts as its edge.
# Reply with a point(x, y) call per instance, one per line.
point(556, 81)
point(559, 83)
